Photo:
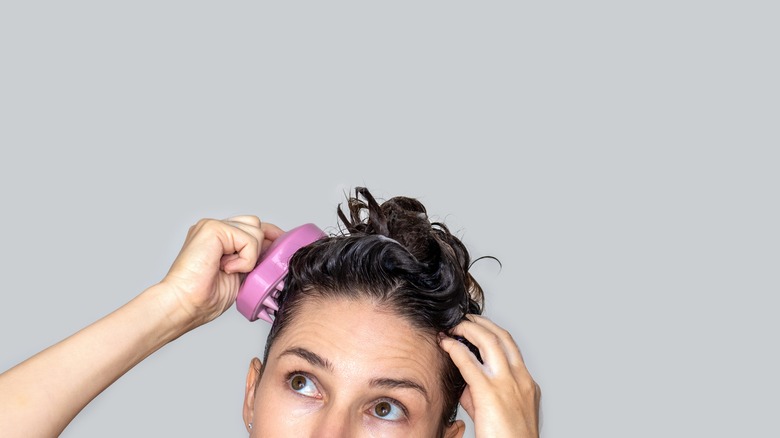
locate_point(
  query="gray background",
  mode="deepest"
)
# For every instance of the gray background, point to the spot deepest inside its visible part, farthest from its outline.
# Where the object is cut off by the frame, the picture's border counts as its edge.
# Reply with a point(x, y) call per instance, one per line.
point(620, 158)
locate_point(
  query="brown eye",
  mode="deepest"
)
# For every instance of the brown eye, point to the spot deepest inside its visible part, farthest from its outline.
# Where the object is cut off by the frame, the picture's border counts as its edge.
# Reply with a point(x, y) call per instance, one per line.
point(298, 382)
point(382, 409)
point(303, 385)
point(389, 410)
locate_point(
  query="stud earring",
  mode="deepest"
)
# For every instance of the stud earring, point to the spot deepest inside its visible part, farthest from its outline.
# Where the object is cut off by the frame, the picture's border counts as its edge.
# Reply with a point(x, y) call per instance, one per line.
point(250, 426)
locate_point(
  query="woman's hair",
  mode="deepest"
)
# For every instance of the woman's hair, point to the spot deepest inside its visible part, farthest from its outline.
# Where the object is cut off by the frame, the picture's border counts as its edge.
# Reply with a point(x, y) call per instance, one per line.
point(392, 254)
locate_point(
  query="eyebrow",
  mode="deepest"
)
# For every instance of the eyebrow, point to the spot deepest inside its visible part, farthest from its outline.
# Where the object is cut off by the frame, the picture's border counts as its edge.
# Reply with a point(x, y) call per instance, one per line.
point(309, 356)
point(380, 382)
point(399, 383)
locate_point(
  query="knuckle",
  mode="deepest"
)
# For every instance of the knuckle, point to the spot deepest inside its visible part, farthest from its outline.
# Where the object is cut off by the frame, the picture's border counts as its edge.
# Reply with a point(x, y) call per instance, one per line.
point(535, 393)
point(210, 224)
point(529, 386)
point(506, 336)
point(197, 226)
point(202, 222)
point(210, 227)
point(247, 219)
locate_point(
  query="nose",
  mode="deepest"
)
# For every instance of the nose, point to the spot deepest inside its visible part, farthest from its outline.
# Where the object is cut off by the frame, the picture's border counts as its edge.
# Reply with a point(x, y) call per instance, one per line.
point(335, 422)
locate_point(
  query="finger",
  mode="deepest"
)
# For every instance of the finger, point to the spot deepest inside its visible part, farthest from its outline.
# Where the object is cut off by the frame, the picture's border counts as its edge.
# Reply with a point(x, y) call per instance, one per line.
point(234, 238)
point(470, 368)
point(270, 232)
point(467, 402)
point(490, 346)
point(513, 352)
point(227, 259)
point(250, 224)
point(252, 254)
point(246, 256)
point(251, 220)
point(195, 229)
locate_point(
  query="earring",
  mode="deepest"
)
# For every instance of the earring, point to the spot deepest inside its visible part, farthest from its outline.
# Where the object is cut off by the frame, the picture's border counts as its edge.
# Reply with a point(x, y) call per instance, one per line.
point(250, 426)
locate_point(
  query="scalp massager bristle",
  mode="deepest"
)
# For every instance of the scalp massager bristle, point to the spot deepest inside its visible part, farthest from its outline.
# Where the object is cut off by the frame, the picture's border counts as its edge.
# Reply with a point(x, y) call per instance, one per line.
point(257, 295)
point(269, 305)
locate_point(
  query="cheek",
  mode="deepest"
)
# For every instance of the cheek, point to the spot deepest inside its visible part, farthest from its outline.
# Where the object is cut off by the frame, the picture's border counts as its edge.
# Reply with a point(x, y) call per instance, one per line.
point(280, 413)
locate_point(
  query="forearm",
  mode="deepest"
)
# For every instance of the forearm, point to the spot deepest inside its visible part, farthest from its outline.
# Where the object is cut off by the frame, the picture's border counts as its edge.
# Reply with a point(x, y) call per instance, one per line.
point(43, 394)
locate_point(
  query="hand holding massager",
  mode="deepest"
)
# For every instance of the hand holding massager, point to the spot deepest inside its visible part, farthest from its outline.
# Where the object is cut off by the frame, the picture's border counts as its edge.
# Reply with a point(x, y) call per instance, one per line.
point(257, 295)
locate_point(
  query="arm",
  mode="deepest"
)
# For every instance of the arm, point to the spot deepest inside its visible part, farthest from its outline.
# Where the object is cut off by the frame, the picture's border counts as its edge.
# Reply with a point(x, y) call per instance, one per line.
point(44, 393)
point(500, 395)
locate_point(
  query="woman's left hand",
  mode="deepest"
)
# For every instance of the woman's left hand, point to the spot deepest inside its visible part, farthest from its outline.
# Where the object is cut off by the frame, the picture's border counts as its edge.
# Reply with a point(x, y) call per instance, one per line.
point(500, 396)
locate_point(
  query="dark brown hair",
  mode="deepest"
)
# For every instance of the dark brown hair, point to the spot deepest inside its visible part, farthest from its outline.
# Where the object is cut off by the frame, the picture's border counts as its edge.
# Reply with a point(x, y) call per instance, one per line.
point(393, 254)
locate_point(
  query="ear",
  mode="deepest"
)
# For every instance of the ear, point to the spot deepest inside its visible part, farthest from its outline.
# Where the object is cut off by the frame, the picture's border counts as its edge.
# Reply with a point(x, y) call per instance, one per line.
point(455, 430)
point(252, 379)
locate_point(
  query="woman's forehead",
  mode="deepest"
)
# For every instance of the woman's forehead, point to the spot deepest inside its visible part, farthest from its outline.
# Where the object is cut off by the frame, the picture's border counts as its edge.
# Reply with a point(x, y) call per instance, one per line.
point(360, 337)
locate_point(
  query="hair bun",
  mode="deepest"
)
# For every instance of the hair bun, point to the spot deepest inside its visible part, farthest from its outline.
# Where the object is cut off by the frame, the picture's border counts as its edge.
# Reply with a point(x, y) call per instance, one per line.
point(402, 219)
point(406, 221)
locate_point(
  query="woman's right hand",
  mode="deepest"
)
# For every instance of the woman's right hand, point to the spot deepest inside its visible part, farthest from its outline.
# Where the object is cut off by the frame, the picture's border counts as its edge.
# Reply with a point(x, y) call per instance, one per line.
point(204, 279)
point(201, 284)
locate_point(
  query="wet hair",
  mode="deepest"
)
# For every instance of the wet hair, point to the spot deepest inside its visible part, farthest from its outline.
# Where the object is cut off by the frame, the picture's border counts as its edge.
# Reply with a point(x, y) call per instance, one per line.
point(394, 255)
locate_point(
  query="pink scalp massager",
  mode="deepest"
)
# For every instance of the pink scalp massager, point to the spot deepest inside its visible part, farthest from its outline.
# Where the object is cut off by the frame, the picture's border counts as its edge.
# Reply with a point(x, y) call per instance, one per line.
point(257, 295)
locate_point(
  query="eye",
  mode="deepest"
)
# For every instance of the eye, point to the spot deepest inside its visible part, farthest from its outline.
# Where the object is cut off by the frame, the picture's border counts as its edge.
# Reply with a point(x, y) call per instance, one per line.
point(388, 410)
point(302, 385)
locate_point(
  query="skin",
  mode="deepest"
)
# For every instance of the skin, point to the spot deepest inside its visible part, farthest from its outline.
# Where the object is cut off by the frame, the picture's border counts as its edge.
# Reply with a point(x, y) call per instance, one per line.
point(339, 398)
point(201, 285)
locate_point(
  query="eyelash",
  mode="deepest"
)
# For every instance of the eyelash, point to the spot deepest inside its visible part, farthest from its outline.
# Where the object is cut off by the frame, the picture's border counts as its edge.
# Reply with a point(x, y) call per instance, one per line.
point(292, 374)
point(394, 402)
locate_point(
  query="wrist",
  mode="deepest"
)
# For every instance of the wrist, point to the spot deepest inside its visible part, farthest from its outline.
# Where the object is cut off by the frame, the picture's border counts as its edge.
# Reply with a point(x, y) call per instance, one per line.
point(174, 318)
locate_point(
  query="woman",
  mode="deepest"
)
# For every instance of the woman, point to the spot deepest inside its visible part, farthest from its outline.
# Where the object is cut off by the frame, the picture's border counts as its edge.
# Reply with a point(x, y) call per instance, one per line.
point(363, 344)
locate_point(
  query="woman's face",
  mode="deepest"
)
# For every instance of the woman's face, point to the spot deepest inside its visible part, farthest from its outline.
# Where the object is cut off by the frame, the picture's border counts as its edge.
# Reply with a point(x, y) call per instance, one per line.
point(343, 368)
